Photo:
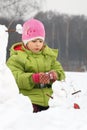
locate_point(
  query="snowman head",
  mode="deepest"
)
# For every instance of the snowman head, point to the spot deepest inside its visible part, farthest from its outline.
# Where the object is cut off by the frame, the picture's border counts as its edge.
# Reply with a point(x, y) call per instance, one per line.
point(3, 44)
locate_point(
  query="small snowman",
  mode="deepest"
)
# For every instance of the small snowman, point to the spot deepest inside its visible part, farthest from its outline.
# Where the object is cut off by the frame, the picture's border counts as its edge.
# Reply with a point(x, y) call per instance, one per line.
point(64, 95)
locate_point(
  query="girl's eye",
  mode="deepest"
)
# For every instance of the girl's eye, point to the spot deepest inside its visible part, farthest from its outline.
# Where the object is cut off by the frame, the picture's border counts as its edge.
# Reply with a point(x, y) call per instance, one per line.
point(37, 41)
point(34, 41)
point(41, 41)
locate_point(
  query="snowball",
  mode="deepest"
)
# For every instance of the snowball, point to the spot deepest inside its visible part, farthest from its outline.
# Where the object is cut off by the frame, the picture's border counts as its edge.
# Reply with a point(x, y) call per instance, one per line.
point(19, 28)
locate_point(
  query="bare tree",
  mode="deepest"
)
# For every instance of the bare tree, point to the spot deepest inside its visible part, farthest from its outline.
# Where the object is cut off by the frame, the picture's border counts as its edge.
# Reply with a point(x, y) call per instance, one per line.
point(15, 9)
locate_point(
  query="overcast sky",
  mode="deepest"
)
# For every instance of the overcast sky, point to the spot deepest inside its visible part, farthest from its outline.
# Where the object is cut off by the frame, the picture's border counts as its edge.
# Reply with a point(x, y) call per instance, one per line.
point(68, 6)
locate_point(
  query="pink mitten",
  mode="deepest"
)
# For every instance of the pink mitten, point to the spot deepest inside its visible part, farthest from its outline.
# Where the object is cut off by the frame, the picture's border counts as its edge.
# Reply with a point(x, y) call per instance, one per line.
point(53, 76)
point(41, 78)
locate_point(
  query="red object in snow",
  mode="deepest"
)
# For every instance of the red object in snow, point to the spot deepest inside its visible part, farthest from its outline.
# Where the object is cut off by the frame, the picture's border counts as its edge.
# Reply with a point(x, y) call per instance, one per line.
point(76, 106)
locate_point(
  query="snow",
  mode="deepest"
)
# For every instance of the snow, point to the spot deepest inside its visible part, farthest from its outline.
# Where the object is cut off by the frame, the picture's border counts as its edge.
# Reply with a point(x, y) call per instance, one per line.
point(16, 109)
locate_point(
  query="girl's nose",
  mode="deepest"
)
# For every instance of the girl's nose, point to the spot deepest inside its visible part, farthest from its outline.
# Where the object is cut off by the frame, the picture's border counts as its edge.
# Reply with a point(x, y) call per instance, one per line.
point(37, 43)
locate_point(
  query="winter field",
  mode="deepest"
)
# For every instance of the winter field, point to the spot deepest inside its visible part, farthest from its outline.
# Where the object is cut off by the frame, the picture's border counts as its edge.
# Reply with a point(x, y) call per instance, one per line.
point(16, 109)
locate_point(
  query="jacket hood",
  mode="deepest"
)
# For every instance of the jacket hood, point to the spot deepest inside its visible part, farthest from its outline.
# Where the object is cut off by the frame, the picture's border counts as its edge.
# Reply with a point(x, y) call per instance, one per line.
point(19, 47)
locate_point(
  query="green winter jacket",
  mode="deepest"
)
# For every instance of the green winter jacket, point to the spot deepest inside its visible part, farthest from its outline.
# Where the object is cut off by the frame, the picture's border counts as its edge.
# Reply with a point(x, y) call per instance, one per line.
point(23, 63)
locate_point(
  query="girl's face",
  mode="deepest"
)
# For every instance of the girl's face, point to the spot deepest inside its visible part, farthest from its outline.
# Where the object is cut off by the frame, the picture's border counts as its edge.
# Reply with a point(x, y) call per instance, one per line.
point(35, 45)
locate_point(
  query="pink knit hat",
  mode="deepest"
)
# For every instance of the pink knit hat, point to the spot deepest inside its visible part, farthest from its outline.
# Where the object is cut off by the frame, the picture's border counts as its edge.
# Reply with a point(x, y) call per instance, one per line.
point(33, 29)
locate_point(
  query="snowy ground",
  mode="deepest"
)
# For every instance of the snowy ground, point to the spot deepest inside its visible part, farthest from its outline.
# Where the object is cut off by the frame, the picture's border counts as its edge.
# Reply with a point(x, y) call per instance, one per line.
point(16, 114)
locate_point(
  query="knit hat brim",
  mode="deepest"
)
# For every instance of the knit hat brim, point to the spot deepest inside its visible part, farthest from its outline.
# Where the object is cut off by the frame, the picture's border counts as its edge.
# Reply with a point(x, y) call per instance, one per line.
point(26, 41)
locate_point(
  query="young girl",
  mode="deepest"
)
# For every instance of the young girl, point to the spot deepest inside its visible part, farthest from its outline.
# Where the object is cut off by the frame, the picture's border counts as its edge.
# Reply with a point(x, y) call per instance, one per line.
point(34, 65)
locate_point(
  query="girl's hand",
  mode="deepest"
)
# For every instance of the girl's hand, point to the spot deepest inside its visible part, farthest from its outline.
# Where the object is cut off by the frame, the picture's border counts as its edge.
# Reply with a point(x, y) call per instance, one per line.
point(53, 76)
point(41, 78)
